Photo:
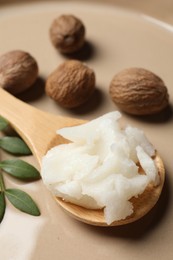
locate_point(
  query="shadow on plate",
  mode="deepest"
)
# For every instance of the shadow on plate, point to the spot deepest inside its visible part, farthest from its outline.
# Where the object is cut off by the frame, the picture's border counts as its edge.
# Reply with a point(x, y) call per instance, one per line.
point(34, 92)
point(94, 102)
point(144, 226)
point(87, 52)
point(164, 116)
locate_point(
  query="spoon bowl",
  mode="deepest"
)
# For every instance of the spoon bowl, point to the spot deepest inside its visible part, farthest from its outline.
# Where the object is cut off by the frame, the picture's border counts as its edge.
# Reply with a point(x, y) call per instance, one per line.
point(38, 130)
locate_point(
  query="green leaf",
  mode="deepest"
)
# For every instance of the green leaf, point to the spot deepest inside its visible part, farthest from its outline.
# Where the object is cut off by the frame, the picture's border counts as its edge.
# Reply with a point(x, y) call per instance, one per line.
point(3, 123)
point(2, 206)
point(14, 145)
point(20, 169)
point(22, 201)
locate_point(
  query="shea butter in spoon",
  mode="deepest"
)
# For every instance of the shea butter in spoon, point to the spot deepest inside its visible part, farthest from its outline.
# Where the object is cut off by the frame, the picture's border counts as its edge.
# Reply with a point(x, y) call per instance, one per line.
point(103, 167)
point(39, 132)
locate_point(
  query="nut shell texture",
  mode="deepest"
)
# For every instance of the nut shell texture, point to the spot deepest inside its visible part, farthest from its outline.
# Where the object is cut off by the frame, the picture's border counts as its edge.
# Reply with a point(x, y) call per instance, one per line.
point(67, 33)
point(71, 84)
point(18, 71)
point(138, 91)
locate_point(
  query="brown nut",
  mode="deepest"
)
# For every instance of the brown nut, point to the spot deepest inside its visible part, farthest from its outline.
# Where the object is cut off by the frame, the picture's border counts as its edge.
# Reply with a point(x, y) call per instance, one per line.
point(138, 91)
point(18, 71)
point(71, 84)
point(67, 33)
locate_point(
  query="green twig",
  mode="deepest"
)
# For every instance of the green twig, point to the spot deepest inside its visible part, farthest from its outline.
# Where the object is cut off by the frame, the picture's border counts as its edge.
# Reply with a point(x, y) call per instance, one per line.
point(2, 184)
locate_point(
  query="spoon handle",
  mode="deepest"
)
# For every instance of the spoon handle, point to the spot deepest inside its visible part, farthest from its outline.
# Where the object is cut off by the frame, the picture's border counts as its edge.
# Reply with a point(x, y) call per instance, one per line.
point(36, 127)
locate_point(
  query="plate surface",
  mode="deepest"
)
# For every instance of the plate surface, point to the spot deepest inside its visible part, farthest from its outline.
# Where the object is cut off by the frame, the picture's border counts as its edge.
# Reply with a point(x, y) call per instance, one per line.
point(116, 39)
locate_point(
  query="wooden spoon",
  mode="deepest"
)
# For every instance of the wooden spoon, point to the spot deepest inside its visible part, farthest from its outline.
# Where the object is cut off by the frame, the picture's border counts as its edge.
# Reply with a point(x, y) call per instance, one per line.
point(38, 129)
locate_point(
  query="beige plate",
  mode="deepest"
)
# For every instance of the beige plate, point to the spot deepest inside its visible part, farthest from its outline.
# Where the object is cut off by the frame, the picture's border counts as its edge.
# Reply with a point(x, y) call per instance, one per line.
point(116, 39)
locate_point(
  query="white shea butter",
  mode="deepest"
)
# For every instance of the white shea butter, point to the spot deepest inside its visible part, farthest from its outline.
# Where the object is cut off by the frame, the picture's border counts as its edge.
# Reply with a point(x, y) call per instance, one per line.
point(99, 168)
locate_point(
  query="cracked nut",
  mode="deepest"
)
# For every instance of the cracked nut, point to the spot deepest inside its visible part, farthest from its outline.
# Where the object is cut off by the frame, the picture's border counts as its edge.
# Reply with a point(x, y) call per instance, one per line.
point(67, 33)
point(18, 71)
point(138, 91)
point(71, 84)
